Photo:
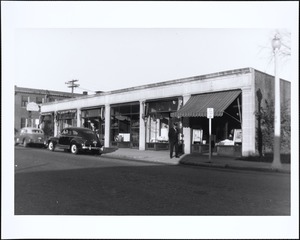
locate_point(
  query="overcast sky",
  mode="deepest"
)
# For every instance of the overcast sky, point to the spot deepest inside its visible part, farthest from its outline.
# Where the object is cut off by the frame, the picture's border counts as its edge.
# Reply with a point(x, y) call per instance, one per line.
point(109, 59)
point(115, 45)
point(101, 46)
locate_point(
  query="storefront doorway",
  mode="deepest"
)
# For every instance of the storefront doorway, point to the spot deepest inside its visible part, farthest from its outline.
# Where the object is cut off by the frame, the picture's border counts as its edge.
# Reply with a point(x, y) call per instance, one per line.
point(125, 125)
point(93, 118)
point(158, 121)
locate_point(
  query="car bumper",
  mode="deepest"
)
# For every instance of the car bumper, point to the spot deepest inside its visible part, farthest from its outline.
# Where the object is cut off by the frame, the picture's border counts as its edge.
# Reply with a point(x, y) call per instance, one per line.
point(92, 148)
point(37, 141)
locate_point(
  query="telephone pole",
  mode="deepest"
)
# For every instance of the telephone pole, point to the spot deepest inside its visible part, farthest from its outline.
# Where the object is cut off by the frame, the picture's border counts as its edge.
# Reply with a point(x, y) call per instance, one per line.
point(72, 84)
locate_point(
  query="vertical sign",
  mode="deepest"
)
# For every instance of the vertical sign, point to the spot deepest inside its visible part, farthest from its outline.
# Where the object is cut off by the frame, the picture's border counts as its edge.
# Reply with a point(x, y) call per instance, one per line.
point(210, 115)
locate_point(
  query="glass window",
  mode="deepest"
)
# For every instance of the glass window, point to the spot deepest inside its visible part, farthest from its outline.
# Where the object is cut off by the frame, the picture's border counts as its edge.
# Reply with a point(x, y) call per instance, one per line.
point(125, 123)
point(125, 109)
point(24, 101)
point(23, 122)
point(39, 100)
point(75, 133)
point(135, 108)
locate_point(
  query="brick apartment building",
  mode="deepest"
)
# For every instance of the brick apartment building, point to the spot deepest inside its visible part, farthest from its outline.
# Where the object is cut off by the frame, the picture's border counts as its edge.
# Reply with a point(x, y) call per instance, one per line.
point(35, 97)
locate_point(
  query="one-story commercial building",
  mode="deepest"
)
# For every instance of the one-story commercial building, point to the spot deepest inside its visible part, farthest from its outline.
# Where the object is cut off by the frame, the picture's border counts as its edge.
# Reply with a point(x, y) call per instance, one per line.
point(139, 117)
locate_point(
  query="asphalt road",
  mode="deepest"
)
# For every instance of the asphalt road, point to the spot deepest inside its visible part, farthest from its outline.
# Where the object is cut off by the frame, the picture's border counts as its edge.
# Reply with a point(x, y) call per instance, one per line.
point(60, 183)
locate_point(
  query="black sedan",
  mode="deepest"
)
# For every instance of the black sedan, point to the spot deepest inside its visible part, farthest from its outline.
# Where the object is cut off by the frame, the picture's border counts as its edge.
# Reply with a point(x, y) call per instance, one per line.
point(75, 140)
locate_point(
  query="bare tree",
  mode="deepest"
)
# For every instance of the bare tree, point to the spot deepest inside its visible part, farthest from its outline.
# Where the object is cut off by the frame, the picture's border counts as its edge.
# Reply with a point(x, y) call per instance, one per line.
point(284, 54)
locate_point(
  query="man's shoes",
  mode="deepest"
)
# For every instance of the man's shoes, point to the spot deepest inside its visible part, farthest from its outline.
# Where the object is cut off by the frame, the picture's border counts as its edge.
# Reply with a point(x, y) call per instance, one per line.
point(177, 156)
point(171, 157)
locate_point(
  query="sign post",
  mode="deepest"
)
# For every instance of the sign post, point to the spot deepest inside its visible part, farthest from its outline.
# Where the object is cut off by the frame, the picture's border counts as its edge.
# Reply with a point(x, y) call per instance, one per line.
point(31, 106)
point(210, 115)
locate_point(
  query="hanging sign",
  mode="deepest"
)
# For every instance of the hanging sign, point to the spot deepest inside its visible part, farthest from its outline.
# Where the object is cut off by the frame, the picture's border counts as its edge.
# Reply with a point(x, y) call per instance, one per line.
point(32, 106)
point(210, 113)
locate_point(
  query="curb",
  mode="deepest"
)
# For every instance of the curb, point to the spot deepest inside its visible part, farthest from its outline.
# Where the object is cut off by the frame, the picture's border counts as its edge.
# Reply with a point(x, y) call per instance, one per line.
point(227, 166)
point(137, 159)
point(208, 165)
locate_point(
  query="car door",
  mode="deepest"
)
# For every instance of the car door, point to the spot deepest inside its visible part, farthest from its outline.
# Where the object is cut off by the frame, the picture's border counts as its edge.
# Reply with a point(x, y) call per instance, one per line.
point(64, 137)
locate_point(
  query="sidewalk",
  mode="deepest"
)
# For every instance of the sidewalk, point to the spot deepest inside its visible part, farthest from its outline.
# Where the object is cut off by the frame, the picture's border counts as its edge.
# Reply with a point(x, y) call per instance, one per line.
point(162, 157)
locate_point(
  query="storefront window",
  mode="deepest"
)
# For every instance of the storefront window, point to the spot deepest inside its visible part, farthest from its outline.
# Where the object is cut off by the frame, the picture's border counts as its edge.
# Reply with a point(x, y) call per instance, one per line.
point(23, 122)
point(66, 119)
point(48, 125)
point(94, 120)
point(159, 120)
point(125, 124)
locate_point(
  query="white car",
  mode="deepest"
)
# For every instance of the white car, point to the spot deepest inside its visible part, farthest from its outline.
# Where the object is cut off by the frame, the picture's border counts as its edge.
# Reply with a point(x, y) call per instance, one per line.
point(30, 136)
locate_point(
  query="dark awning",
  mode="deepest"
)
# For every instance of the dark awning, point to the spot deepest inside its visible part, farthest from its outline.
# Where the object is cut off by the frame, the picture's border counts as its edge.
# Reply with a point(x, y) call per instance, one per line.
point(197, 105)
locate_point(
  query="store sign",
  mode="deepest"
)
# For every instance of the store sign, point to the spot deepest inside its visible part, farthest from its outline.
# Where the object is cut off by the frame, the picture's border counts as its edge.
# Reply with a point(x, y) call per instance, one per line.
point(33, 107)
point(210, 113)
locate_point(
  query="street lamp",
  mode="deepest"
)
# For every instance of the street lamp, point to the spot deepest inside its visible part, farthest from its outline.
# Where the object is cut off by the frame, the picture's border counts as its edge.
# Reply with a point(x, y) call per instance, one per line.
point(276, 43)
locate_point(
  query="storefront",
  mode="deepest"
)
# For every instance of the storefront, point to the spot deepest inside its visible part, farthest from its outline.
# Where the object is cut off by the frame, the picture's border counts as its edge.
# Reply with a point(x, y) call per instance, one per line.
point(67, 118)
point(47, 123)
point(140, 117)
point(158, 120)
point(125, 125)
point(225, 123)
point(94, 119)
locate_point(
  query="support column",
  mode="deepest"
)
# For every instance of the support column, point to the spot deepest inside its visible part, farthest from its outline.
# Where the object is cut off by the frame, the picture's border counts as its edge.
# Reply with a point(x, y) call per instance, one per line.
point(78, 117)
point(248, 123)
point(142, 133)
point(107, 126)
point(187, 131)
point(55, 124)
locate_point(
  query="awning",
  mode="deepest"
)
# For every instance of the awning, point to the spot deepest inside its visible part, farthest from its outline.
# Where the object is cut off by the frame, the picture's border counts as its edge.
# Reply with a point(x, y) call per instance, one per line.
point(197, 105)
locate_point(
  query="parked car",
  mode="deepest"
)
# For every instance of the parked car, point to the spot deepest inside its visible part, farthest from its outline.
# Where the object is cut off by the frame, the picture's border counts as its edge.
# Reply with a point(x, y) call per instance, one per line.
point(30, 136)
point(75, 140)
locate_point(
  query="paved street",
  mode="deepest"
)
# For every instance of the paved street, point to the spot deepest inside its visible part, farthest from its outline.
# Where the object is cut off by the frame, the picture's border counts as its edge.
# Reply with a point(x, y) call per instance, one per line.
point(59, 183)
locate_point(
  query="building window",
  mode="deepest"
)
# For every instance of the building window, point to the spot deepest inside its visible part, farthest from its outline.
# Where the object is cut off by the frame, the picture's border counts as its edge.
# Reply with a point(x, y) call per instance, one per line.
point(125, 124)
point(39, 100)
point(23, 122)
point(24, 101)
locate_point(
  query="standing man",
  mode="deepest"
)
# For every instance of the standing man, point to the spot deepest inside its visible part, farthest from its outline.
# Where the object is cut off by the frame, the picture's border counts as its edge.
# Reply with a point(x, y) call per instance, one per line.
point(173, 140)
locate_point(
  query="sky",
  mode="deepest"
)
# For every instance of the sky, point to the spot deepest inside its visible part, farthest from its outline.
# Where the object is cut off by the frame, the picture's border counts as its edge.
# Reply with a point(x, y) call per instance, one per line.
point(109, 59)
point(115, 45)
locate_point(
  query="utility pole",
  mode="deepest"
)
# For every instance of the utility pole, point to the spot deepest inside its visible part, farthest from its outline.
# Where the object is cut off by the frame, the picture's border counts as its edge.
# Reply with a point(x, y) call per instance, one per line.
point(72, 84)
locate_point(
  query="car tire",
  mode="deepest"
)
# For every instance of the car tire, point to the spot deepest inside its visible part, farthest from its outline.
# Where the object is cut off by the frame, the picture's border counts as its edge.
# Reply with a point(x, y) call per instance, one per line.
point(74, 149)
point(51, 146)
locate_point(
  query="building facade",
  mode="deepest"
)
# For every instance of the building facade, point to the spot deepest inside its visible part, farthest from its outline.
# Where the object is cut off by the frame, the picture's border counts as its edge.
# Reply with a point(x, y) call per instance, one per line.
point(139, 117)
point(34, 97)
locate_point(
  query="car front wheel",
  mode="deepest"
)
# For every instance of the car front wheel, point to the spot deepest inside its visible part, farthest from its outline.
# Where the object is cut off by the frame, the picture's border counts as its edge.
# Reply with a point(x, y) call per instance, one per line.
point(51, 146)
point(74, 149)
